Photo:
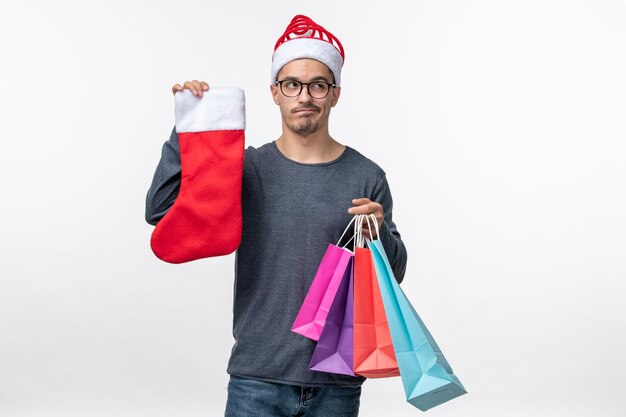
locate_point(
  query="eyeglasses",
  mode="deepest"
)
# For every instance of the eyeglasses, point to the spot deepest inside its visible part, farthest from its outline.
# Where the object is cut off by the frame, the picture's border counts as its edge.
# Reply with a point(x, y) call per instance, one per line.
point(293, 88)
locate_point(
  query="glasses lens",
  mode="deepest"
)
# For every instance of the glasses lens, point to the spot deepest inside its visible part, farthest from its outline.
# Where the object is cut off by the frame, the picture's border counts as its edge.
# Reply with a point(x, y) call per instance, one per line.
point(318, 90)
point(291, 88)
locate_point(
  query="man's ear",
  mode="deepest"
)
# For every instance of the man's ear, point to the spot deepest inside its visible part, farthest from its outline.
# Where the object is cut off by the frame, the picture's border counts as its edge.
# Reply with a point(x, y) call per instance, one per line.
point(274, 91)
point(336, 94)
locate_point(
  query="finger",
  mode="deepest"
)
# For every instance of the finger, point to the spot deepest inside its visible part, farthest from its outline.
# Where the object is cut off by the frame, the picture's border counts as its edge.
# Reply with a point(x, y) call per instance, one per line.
point(205, 86)
point(191, 87)
point(368, 232)
point(369, 208)
point(365, 209)
point(371, 228)
point(361, 201)
point(177, 87)
point(198, 86)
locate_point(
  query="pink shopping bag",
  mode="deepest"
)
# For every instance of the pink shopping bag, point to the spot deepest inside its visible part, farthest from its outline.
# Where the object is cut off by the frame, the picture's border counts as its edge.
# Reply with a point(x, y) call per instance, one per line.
point(314, 310)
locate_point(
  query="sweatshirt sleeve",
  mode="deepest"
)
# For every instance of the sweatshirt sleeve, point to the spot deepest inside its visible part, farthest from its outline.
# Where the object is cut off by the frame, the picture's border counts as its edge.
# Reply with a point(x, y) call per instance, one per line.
point(165, 182)
point(389, 235)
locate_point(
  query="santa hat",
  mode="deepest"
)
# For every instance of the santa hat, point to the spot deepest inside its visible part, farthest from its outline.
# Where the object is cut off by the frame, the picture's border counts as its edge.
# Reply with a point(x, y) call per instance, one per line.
point(304, 38)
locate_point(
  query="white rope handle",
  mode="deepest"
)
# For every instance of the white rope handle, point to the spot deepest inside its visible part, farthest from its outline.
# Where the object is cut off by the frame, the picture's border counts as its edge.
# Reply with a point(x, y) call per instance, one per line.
point(373, 217)
point(344, 232)
point(347, 243)
point(360, 240)
point(369, 226)
point(358, 236)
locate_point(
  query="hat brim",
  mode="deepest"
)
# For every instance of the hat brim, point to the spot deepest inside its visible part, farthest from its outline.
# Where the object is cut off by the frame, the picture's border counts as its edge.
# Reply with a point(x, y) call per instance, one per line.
point(302, 48)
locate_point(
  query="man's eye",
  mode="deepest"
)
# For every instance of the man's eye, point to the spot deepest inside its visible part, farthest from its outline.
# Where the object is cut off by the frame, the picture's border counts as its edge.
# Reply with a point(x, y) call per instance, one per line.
point(319, 86)
point(292, 84)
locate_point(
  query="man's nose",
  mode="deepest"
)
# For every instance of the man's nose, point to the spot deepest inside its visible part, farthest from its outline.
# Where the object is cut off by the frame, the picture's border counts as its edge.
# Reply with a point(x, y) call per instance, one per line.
point(304, 95)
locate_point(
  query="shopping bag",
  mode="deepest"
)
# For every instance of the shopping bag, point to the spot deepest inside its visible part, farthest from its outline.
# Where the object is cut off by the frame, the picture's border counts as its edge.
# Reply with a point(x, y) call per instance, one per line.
point(427, 377)
point(316, 305)
point(374, 356)
point(334, 351)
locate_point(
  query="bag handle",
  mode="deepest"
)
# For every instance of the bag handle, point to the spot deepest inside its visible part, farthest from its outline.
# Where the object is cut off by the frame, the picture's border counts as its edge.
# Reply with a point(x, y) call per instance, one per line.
point(373, 217)
point(344, 232)
point(358, 237)
point(348, 242)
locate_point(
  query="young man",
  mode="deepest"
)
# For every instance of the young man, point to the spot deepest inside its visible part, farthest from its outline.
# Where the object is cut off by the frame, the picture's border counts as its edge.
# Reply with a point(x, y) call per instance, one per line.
point(298, 194)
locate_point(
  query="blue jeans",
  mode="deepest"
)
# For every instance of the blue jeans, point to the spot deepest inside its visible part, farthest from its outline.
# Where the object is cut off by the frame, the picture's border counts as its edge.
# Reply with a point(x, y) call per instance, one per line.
point(252, 398)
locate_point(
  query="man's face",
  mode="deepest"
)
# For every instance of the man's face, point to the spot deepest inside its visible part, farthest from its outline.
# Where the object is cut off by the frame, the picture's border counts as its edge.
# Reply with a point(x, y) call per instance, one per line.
point(304, 114)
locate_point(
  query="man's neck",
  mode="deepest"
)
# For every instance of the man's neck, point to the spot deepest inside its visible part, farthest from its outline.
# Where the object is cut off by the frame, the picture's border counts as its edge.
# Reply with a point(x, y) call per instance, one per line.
point(318, 147)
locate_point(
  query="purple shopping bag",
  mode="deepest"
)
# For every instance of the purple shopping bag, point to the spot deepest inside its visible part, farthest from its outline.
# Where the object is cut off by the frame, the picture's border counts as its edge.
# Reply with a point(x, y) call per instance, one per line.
point(335, 349)
point(319, 299)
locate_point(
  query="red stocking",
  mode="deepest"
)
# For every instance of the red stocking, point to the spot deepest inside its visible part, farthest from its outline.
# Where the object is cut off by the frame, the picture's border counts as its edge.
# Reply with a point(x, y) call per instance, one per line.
point(205, 219)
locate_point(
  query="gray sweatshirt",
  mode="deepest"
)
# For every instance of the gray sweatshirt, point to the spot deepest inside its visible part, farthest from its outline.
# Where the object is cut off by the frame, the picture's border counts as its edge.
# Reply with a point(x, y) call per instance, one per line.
point(291, 213)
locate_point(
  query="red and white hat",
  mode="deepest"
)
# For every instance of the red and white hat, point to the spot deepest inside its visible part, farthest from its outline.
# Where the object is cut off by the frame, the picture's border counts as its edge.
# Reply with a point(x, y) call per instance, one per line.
point(304, 38)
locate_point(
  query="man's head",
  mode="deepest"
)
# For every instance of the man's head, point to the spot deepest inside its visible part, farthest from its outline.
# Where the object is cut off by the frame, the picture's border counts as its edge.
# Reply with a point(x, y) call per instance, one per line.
point(300, 82)
point(306, 72)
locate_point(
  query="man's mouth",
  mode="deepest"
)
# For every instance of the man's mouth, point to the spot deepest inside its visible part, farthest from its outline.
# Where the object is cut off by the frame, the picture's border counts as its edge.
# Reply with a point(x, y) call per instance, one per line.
point(304, 110)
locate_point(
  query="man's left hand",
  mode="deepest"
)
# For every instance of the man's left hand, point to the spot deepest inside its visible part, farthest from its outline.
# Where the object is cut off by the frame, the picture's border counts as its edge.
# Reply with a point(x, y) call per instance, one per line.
point(367, 206)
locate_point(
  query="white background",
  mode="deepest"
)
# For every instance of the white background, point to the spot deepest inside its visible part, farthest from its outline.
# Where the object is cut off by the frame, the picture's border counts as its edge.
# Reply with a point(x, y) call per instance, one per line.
point(500, 125)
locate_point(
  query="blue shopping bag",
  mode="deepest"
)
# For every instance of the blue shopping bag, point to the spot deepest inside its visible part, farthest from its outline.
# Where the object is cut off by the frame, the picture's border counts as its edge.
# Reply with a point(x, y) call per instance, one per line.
point(426, 375)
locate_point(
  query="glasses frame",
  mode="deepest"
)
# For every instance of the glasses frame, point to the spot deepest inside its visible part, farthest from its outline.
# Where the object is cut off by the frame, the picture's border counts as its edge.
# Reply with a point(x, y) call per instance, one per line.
point(330, 85)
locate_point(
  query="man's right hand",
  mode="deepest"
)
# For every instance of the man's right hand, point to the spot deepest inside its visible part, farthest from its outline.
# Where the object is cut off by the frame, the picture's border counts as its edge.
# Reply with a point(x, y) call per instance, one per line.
point(196, 87)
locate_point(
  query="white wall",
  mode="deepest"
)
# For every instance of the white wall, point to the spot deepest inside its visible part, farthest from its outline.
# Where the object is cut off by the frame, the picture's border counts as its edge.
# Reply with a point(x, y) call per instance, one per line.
point(500, 125)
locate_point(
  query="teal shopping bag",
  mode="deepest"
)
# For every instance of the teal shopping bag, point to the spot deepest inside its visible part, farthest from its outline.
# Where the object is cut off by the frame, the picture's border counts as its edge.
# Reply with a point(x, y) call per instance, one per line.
point(426, 375)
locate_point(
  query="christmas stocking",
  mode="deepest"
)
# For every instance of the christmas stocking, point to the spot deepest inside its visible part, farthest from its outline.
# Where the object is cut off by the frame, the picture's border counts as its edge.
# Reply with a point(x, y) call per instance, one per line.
point(205, 219)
